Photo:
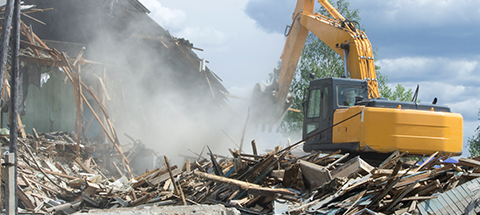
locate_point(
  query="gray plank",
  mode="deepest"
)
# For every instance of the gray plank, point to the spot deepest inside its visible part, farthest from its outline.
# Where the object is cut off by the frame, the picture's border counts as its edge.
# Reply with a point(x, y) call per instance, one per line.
point(465, 195)
point(464, 192)
point(434, 207)
point(453, 203)
point(422, 208)
point(457, 198)
point(426, 207)
point(445, 204)
point(472, 185)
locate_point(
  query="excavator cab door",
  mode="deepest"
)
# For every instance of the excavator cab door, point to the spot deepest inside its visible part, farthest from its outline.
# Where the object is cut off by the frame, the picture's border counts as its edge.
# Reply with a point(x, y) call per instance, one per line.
point(324, 97)
point(318, 111)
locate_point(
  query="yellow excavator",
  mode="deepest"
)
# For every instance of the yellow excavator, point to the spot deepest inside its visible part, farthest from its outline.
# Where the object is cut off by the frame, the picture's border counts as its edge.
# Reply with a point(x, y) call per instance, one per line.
point(348, 113)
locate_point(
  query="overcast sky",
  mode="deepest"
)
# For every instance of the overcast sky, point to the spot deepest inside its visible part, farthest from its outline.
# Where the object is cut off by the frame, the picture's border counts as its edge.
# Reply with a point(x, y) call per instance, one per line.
point(432, 43)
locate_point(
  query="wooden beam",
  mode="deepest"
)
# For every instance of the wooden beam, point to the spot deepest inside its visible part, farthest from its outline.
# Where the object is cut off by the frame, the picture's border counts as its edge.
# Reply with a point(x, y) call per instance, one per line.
point(242, 184)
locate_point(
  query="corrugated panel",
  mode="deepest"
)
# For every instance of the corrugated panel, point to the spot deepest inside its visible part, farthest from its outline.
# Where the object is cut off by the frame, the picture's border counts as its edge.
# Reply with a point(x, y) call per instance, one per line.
point(454, 201)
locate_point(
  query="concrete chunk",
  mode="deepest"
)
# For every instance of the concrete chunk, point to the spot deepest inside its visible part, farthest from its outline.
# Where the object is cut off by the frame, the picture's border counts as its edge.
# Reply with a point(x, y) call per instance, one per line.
point(314, 175)
point(353, 166)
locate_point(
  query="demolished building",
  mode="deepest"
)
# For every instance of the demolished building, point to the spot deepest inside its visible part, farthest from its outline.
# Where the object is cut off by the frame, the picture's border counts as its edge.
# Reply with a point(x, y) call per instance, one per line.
point(148, 83)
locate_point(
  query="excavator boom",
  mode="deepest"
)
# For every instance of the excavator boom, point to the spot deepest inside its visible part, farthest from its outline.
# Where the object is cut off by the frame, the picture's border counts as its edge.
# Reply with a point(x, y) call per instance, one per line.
point(339, 34)
point(269, 103)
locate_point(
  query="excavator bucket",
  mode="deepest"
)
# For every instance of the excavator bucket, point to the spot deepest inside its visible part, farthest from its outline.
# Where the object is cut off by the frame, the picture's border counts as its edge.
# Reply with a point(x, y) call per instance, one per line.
point(265, 111)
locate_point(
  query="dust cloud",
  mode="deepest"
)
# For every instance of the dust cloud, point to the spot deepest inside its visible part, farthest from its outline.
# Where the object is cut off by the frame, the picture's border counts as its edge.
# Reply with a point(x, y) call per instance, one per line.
point(153, 92)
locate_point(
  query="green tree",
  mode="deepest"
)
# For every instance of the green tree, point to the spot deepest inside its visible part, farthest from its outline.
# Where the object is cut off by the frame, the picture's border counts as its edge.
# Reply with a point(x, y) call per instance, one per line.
point(399, 94)
point(319, 59)
point(474, 142)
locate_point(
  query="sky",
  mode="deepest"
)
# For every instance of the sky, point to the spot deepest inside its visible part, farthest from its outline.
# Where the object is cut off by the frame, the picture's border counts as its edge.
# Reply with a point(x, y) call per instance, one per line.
point(433, 43)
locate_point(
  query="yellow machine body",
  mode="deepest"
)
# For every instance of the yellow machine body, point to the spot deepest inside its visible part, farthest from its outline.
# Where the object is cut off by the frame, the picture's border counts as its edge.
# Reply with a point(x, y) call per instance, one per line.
point(384, 130)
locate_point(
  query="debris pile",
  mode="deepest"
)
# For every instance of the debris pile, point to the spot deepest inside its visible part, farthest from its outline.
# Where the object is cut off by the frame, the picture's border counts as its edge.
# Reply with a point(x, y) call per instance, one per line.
point(54, 178)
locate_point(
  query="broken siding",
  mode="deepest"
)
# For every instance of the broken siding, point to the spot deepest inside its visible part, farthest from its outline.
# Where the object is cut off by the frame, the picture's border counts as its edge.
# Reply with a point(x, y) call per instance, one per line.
point(51, 107)
point(455, 201)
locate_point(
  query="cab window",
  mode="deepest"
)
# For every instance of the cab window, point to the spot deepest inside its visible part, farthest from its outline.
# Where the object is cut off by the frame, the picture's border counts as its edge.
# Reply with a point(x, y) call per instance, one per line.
point(313, 104)
point(325, 103)
point(346, 95)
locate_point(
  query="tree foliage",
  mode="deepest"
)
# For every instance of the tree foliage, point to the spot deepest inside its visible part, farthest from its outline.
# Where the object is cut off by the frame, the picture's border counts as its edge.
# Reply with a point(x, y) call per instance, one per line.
point(399, 94)
point(474, 142)
point(319, 59)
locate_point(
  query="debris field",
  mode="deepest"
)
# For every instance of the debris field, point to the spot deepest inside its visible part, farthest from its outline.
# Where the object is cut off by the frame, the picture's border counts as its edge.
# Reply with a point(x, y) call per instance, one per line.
point(53, 178)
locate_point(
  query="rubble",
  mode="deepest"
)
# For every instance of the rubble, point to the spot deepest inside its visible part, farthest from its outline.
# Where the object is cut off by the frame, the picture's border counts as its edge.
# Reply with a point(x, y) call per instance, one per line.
point(53, 179)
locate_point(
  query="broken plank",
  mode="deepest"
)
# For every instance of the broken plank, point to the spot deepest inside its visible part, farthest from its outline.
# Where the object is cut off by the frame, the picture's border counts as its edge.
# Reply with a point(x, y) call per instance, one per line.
point(387, 172)
point(27, 201)
point(411, 178)
point(163, 177)
point(33, 46)
point(265, 191)
point(398, 198)
point(469, 162)
point(425, 162)
point(325, 157)
point(146, 174)
point(243, 184)
point(42, 61)
point(79, 162)
point(329, 166)
point(176, 191)
point(61, 174)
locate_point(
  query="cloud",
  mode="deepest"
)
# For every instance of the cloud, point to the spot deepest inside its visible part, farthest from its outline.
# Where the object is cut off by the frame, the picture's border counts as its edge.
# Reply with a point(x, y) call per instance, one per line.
point(419, 13)
point(468, 108)
point(206, 36)
point(169, 18)
point(271, 15)
point(456, 71)
point(176, 21)
point(423, 27)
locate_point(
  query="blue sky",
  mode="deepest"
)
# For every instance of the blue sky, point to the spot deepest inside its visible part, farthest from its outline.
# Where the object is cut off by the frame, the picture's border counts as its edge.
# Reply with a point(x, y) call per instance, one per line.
point(432, 43)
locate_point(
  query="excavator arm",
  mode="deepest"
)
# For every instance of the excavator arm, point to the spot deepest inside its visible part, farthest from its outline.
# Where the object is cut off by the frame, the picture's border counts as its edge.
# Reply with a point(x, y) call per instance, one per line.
point(339, 34)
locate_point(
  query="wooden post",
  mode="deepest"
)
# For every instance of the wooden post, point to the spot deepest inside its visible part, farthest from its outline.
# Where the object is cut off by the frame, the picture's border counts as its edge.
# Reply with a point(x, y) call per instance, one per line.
point(176, 188)
point(78, 101)
point(254, 147)
point(12, 196)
